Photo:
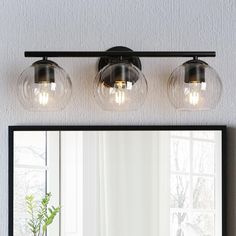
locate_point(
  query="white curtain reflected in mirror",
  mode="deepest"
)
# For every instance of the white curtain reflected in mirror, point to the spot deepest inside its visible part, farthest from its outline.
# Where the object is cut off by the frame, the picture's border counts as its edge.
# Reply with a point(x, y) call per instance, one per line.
point(122, 183)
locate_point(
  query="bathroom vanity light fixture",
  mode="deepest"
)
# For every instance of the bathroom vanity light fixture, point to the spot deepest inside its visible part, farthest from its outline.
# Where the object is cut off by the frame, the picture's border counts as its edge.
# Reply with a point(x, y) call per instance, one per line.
point(119, 84)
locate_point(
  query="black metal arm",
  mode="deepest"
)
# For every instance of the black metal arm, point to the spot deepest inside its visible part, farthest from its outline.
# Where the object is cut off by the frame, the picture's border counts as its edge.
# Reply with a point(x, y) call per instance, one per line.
point(193, 54)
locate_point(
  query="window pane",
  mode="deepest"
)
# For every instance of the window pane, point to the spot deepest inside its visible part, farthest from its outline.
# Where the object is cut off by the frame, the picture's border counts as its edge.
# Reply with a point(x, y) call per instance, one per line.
point(203, 193)
point(203, 157)
point(180, 155)
point(26, 181)
point(29, 148)
point(196, 224)
point(179, 191)
point(210, 135)
point(177, 223)
point(180, 133)
point(201, 224)
point(20, 226)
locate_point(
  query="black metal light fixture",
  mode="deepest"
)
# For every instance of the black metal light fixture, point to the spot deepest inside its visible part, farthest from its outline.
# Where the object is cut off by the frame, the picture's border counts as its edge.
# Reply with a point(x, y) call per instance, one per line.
point(194, 86)
point(44, 86)
point(120, 84)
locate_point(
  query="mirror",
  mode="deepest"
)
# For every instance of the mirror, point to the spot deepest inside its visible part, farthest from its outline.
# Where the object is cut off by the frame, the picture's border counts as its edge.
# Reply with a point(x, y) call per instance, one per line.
point(120, 181)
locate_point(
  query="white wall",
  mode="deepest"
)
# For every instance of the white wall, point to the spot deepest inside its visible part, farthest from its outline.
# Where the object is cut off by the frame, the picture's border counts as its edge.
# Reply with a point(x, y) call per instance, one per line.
point(98, 25)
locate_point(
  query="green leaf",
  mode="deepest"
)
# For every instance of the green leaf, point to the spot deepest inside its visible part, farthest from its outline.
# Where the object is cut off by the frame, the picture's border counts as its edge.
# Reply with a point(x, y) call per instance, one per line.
point(41, 216)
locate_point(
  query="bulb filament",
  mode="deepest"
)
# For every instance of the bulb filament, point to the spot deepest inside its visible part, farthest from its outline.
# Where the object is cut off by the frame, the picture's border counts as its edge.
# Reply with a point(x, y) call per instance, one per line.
point(120, 86)
point(43, 98)
point(44, 93)
point(194, 92)
point(193, 98)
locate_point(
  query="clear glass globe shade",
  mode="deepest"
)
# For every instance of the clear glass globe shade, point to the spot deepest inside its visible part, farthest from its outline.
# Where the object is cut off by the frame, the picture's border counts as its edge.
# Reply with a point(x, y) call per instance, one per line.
point(120, 87)
point(194, 86)
point(44, 86)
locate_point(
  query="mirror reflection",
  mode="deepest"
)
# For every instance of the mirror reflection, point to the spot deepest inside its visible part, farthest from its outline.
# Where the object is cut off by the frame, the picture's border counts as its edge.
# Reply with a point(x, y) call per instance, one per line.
point(121, 183)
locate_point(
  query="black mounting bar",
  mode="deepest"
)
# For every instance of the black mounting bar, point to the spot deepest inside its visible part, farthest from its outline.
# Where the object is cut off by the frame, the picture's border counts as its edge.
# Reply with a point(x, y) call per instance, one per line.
point(193, 54)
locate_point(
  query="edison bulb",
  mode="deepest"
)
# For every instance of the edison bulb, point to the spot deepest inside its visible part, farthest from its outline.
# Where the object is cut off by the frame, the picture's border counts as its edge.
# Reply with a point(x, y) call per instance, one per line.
point(194, 91)
point(45, 92)
point(44, 86)
point(119, 91)
point(120, 97)
point(193, 98)
point(120, 87)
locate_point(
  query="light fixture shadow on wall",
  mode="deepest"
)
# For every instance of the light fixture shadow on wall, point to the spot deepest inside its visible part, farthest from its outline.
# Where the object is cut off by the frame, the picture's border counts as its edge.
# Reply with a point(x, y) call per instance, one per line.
point(120, 84)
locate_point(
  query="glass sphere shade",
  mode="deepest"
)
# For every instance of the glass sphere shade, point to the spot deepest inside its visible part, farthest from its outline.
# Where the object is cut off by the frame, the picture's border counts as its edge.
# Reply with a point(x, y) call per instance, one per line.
point(120, 87)
point(194, 86)
point(44, 86)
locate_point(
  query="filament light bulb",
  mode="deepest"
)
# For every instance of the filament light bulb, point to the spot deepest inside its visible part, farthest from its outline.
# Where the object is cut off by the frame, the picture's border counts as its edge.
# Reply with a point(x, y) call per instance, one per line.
point(119, 90)
point(194, 98)
point(43, 98)
point(119, 87)
point(193, 92)
point(44, 92)
point(120, 97)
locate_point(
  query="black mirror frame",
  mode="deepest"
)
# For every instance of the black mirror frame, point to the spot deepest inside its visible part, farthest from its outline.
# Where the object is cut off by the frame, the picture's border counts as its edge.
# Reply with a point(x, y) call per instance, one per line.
point(11, 130)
